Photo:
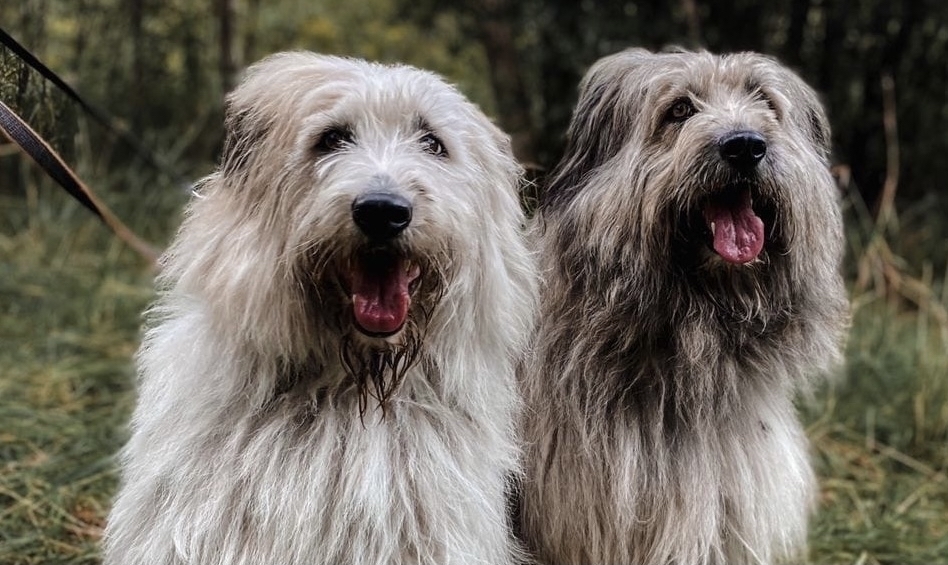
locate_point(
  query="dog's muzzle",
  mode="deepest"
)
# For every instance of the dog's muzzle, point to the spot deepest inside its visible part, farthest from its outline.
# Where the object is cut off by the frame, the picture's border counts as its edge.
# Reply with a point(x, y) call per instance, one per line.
point(737, 231)
point(381, 277)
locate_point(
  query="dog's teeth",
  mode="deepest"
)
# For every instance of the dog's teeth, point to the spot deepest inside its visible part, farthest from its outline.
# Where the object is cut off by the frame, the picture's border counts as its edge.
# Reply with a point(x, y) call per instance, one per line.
point(712, 228)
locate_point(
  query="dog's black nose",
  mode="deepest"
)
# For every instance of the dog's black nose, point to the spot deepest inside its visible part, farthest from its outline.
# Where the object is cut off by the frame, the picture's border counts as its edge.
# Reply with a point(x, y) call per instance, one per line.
point(743, 149)
point(381, 215)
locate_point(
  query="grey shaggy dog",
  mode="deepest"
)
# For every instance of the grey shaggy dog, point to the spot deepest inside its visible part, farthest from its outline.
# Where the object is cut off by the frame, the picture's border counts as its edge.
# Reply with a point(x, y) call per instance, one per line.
point(328, 375)
point(690, 242)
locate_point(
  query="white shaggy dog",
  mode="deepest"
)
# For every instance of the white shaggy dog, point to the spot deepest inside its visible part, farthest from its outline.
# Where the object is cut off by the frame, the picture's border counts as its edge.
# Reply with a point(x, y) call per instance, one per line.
point(328, 374)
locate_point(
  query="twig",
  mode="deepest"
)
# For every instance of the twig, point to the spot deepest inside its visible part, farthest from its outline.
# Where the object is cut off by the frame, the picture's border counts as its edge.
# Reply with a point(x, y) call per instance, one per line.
point(878, 264)
point(690, 8)
point(885, 212)
point(917, 494)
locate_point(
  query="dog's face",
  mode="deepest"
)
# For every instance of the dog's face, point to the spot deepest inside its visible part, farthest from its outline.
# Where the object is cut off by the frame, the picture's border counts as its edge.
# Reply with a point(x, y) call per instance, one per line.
point(354, 199)
point(722, 159)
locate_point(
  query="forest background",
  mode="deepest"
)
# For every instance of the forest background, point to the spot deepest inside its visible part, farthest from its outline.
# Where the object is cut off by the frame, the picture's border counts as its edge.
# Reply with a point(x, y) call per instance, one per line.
point(71, 295)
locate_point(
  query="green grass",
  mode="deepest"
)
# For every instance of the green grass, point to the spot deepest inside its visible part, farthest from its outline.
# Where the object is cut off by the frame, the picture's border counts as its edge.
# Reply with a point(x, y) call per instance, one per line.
point(72, 296)
point(71, 299)
point(880, 431)
point(881, 447)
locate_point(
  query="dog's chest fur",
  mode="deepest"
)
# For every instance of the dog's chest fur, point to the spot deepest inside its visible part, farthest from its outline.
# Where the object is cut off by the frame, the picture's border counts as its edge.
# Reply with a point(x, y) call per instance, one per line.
point(304, 480)
point(675, 486)
point(687, 427)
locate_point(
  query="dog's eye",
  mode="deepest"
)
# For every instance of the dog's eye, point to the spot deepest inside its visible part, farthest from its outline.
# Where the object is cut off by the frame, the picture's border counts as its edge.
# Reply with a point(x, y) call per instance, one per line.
point(431, 144)
point(680, 110)
point(333, 139)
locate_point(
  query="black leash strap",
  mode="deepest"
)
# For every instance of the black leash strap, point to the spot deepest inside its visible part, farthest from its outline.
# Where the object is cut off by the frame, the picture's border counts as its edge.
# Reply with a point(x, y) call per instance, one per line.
point(17, 130)
point(34, 146)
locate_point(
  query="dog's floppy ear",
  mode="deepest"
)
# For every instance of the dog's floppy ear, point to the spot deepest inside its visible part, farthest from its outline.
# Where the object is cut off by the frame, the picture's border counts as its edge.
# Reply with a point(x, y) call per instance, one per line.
point(245, 121)
point(242, 133)
point(812, 116)
point(270, 88)
point(803, 108)
point(600, 124)
point(504, 148)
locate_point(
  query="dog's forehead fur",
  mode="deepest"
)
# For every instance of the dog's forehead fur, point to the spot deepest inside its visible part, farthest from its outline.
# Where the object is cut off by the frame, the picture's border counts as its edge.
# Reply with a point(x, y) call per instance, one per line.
point(634, 88)
point(656, 75)
point(324, 90)
point(288, 101)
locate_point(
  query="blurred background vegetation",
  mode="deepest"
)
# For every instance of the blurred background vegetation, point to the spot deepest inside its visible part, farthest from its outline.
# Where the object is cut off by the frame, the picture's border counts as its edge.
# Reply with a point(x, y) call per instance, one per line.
point(71, 296)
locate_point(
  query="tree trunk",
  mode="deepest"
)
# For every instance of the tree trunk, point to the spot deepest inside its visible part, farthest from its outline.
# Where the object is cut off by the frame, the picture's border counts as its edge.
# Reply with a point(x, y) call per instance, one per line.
point(495, 27)
point(690, 9)
point(836, 12)
point(226, 64)
point(137, 90)
point(250, 34)
point(793, 49)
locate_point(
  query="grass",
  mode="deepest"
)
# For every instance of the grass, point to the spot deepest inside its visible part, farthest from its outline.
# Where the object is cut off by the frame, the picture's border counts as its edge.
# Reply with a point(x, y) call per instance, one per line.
point(72, 296)
point(880, 431)
point(880, 445)
point(71, 299)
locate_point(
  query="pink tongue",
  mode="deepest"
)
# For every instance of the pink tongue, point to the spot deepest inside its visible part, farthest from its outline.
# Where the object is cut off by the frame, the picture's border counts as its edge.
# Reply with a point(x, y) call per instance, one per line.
point(738, 232)
point(380, 299)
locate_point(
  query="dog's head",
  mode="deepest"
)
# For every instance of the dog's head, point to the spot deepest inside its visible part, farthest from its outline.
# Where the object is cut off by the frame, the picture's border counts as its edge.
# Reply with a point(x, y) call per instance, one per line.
point(724, 157)
point(709, 169)
point(356, 202)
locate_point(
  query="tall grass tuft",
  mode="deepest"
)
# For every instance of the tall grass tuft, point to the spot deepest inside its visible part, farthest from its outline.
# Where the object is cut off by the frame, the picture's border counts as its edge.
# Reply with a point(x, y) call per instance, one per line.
point(880, 430)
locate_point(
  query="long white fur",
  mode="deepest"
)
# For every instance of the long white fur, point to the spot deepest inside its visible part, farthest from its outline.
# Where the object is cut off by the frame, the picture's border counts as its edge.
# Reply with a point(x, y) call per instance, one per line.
point(225, 464)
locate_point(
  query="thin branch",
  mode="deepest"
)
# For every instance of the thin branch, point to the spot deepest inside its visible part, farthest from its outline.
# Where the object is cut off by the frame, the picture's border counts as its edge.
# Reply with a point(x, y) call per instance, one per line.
point(885, 212)
point(690, 9)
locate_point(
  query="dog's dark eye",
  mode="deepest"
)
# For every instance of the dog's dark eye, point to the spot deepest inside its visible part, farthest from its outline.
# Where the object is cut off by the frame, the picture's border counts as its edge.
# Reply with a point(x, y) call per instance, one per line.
point(680, 110)
point(333, 139)
point(431, 144)
point(763, 96)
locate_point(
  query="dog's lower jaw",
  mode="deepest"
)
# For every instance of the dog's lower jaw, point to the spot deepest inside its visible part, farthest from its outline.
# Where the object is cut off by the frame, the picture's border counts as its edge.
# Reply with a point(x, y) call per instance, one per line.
point(377, 371)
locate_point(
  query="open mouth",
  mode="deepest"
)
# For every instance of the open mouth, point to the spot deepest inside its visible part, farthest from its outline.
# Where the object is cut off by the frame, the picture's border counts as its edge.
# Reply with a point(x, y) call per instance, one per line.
point(381, 287)
point(737, 231)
